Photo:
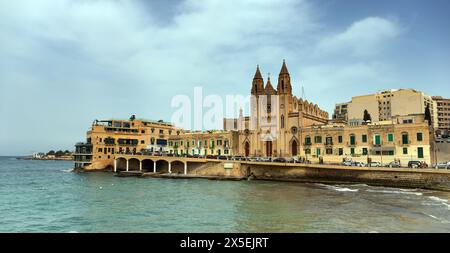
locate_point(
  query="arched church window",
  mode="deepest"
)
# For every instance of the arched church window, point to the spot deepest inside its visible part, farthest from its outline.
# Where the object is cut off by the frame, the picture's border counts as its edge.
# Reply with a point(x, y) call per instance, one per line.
point(282, 121)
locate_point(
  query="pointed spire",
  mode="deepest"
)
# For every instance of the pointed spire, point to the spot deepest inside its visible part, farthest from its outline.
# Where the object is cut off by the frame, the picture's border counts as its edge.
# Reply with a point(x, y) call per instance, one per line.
point(258, 73)
point(284, 69)
point(284, 80)
point(269, 88)
point(258, 83)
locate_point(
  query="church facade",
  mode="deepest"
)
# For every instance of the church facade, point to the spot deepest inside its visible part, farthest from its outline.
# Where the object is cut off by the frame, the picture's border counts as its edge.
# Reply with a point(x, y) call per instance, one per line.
point(276, 117)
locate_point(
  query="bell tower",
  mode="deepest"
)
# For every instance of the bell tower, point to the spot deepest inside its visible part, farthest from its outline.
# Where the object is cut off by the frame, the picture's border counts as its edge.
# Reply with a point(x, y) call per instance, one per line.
point(258, 83)
point(284, 89)
point(284, 81)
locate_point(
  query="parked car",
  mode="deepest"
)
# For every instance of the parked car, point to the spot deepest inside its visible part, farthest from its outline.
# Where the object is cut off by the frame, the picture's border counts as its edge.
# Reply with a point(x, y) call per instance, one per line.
point(347, 163)
point(394, 164)
point(265, 159)
point(292, 160)
point(222, 157)
point(279, 160)
point(255, 159)
point(414, 164)
point(442, 165)
point(375, 164)
point(239, 158)
point(358, 164)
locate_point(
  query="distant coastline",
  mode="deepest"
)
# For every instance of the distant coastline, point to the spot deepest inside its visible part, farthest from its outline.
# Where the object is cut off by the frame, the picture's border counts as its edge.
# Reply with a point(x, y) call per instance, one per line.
point(49, 156)
point(70, 158)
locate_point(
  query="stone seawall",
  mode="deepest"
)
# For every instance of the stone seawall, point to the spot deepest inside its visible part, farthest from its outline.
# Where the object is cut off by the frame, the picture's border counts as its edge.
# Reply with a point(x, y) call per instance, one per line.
point(438, 179)
point(395, 177)
point(218, 169)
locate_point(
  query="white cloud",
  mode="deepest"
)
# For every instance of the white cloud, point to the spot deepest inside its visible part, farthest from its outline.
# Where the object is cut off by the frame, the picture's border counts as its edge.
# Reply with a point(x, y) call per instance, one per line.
point(363, 38)
point(79, 60)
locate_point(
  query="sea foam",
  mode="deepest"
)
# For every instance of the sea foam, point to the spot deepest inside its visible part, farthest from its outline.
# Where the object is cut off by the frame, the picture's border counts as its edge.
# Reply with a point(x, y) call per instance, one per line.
point(397, 191)
point(443, 202)
point(339, 189)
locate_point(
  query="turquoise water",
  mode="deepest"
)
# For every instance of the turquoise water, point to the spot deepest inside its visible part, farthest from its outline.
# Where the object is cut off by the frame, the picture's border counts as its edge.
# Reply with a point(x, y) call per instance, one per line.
point(44, 196)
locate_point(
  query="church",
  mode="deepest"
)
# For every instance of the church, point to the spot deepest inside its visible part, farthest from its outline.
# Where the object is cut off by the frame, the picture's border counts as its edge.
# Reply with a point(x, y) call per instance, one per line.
point(273, 128)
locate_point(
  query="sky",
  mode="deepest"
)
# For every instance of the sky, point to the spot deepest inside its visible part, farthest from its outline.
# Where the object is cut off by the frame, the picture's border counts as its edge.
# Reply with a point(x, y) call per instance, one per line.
point(65, 63)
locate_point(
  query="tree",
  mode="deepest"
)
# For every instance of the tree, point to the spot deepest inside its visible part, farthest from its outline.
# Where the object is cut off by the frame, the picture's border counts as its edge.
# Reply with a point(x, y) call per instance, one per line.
point(428, 114)
point(367, 116)
point(59, 153)
point(51, 152)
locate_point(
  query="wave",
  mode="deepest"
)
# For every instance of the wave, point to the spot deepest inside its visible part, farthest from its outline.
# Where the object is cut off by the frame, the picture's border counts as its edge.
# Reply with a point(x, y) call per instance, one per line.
point(406, 190)
point(67, 170)
point(438, 219)
point(397, 191)
point(443, 202)
point(432, 216)
point(438, 199)
point(339, 189)
point(359, 185)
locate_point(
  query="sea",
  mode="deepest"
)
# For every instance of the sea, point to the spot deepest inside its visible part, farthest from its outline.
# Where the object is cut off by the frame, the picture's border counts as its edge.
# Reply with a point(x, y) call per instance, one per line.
point(46, 196)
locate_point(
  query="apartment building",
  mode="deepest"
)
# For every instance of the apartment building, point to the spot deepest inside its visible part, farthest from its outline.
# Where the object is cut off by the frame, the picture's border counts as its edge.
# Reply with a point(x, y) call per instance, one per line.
point(107, 137)
point(341, 112)
point(390, 103)
point(443, 115)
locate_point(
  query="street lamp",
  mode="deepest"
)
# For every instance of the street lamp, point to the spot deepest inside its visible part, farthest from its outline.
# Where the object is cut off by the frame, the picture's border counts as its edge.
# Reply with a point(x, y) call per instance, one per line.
point(381, 152)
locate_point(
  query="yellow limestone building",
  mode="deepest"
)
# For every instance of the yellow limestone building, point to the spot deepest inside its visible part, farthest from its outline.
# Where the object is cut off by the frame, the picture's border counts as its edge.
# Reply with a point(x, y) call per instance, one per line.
point(282, 125)
point(204, 143)
point(401, 139)
point(108, 137)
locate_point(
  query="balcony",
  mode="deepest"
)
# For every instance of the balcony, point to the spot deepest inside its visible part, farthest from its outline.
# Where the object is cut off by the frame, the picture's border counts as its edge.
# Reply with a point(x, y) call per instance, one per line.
point(123, 130)
point(82, 158)
point(352, 144)
point(83, 144)
point(128, 144)
point(407, 143)
point(81, 153)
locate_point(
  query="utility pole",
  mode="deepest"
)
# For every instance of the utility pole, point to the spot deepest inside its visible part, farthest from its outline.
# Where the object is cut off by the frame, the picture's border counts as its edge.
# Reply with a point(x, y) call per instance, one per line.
point(381, 152)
